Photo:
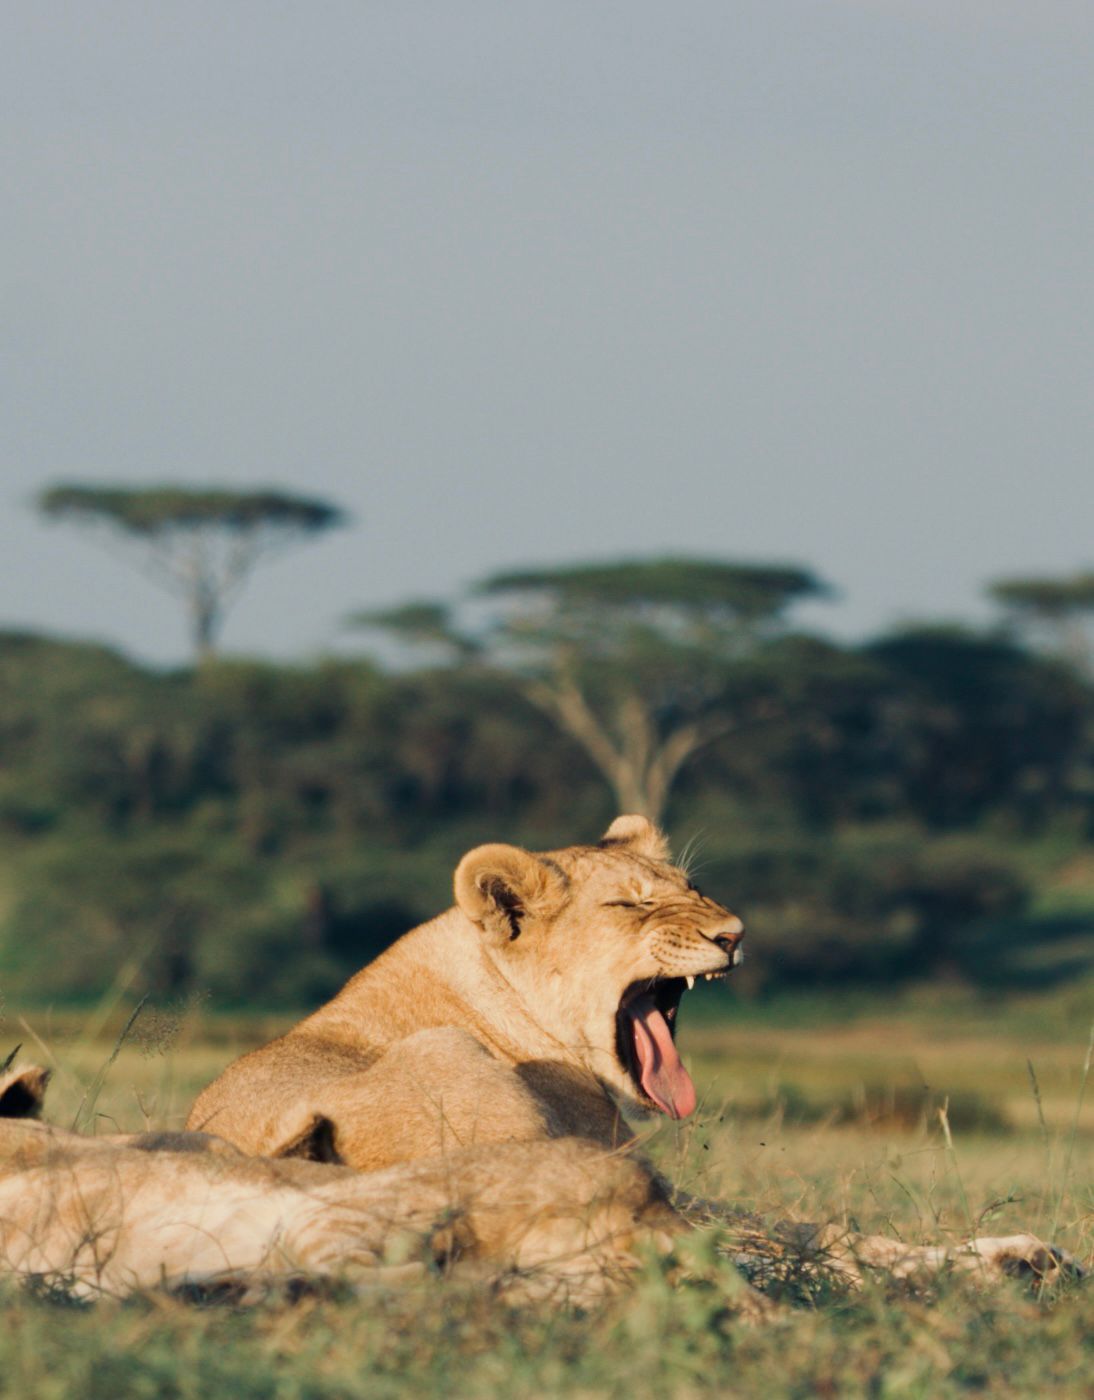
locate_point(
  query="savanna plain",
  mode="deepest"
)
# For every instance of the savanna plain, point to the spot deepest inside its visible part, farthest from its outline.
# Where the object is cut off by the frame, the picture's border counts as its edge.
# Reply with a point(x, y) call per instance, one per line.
point(928, 1117)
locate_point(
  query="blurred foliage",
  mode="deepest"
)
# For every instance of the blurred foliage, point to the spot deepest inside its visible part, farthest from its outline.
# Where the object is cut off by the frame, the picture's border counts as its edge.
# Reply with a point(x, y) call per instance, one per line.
point(153, 510)
point(259, 831)
point(744, 594)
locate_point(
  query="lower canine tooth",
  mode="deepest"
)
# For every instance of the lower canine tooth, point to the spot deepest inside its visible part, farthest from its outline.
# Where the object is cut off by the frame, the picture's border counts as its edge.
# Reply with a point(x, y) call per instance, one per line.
point(690, 981)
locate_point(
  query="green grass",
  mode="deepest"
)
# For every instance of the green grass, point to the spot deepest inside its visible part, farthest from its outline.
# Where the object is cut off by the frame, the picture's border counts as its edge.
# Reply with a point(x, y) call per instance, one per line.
point(441, 1340)
point(793, 1122)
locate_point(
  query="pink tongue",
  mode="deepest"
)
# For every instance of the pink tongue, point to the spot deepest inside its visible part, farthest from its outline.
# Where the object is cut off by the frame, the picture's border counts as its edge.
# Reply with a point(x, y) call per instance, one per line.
point(664, 1077)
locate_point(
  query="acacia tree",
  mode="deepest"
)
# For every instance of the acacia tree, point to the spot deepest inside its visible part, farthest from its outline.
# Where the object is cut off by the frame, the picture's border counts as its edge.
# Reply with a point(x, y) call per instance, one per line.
point(634, 660)
point(200, 544)
point(425, 623)
point(1059, 608)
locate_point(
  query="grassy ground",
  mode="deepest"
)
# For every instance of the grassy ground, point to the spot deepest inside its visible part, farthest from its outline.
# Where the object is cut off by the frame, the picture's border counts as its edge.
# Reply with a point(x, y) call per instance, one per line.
point(808, 1109)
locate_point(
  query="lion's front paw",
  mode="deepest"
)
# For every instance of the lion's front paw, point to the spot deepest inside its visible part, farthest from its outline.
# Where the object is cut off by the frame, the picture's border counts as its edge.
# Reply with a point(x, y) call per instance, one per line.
point(1025, 1256)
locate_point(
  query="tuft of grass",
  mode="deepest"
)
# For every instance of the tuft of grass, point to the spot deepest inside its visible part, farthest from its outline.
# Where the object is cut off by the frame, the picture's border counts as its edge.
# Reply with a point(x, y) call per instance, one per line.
point(85, 1114)
point(1073, 1134)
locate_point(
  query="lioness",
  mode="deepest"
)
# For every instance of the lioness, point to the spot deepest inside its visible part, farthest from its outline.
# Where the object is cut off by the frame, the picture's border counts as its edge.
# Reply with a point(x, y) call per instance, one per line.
point(540, 1004)
point(94, 1216)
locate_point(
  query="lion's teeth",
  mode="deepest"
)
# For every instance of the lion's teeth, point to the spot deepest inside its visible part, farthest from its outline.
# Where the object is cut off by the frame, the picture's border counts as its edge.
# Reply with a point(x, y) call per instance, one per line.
point(690, 981)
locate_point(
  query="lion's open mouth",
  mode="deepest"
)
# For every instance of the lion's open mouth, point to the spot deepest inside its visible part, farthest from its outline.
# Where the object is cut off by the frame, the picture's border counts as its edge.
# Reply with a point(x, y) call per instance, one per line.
point(645, 1034)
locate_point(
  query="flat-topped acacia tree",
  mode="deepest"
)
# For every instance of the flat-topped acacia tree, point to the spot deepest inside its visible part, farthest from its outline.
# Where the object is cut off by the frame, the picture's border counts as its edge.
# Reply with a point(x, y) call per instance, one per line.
point(635, 659)
point(202, 544)
point(641, 662)
point(1059, 608)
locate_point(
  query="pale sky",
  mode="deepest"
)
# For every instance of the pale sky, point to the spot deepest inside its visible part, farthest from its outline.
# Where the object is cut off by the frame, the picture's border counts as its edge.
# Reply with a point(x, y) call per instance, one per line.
point(529, 283)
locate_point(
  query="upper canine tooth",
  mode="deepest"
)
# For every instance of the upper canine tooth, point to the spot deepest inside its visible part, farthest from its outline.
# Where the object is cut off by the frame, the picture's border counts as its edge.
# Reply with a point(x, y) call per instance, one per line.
point(738, 956)
point(690, 981)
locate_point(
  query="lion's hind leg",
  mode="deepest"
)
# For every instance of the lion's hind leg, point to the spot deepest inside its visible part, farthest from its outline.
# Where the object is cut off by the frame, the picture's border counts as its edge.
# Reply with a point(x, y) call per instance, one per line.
point(569, 1220)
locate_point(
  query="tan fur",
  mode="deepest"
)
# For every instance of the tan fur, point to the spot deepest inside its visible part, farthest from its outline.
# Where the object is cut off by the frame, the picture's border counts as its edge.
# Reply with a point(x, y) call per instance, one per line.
point(111, 1215)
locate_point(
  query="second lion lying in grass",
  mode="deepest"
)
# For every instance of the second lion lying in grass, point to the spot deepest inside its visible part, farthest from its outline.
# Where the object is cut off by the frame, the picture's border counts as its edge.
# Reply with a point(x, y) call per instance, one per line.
point(459, 1103)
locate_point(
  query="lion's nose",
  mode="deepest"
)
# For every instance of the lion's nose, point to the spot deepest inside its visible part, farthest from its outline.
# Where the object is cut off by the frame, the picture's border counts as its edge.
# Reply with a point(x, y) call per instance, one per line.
point(728, 940)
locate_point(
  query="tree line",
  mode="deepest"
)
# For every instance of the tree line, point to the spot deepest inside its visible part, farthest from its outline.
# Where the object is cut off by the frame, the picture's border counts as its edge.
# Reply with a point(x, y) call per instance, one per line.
point(256, 831)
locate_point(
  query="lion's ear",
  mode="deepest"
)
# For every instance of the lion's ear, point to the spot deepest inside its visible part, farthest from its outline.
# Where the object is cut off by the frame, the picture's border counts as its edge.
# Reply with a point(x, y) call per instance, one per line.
point(22, 1091)
point(640, 834)
point(310, 1138)
point(497, 887)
